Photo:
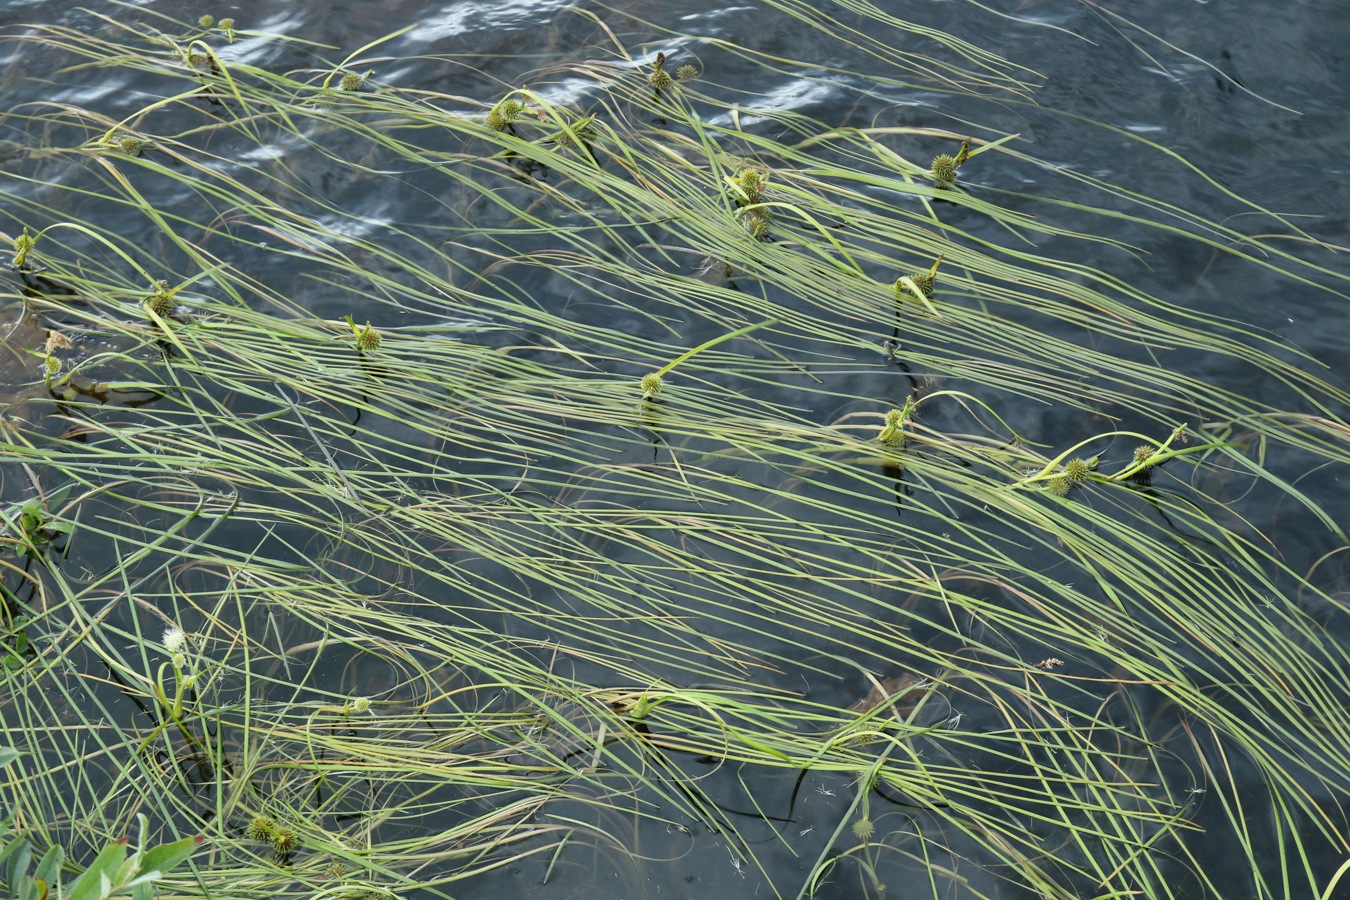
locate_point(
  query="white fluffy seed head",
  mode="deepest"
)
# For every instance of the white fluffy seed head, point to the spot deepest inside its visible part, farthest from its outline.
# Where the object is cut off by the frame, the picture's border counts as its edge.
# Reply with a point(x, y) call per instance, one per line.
point(175, 640)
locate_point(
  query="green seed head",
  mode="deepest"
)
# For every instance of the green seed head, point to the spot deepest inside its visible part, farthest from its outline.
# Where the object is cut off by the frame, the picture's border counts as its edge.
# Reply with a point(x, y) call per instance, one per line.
point(133, 146)
point(944, 168)
point(686, 72)
point(262, 827)
point(1143, 456)
point(367, 339)
point(659, 78)
point(651, 385)
point(755, 222)
point(359, 704)
point(227, 26)
point(580, 130)
point(751, 183)
point(161, 301)
point(23, 245)
point(509, 110)
point(892, 431)
point(926, 282)
point(1077, 470)
point(283, 841)
point(351, 82)
point(864, 828)
point(206, 21)
point(1059, 486)
point(198, 60)
point(922, 280)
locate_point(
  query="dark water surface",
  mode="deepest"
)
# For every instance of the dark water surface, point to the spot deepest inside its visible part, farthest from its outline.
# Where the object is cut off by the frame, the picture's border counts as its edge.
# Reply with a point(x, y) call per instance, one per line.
point(1253, 93)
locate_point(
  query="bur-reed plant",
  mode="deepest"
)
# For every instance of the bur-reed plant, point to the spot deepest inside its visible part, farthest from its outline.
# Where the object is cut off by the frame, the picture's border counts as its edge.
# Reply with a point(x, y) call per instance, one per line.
point(452, 603)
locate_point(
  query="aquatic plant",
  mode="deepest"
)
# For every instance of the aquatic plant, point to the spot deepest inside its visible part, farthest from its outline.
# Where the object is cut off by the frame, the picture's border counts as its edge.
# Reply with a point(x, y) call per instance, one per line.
point(119, 869)
point(458, 602)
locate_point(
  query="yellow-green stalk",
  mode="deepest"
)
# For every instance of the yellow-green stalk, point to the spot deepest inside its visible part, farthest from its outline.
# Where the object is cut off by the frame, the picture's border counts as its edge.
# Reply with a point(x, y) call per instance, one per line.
point(652, 382)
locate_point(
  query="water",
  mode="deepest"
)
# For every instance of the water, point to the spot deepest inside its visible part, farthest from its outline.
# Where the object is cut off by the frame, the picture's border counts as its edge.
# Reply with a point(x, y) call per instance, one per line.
point(1283, 152)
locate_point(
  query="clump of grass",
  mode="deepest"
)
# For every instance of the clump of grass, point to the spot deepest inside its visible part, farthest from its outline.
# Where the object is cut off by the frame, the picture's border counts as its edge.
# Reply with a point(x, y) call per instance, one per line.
point(563, 599)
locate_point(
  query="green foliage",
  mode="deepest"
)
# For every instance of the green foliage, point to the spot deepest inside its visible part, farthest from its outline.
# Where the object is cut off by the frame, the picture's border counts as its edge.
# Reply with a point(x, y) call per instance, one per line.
point(30, 527)
point(16, 646)
point(117, 871)
point(458, 603)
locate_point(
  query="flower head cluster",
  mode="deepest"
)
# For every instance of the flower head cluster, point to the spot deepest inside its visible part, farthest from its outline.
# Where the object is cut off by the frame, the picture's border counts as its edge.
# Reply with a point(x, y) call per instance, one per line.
point(922, 280)
point(944, 168)
point(748, 186)
point(1077, 470)
point(174, 640)
point(651, 385)
point(580, 130)
point(659, 77)
point(134, 146)
point(755, 221)
point(944, 165)
point(23, 245)
point(894, 423)
point(283, 840)
point(504, 113)
point(262, 827)
point(925, 282)
point(864, 828)
point(368, 339)
point(1143, 457)
point(161, 301)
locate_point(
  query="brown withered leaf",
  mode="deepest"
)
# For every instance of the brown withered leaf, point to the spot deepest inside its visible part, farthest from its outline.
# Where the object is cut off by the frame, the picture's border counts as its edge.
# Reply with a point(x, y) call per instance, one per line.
point(886, 689)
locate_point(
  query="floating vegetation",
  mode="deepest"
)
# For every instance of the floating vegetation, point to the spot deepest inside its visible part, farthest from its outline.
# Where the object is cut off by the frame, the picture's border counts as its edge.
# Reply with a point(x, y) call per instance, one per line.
point(944, 166)
point(458, 605)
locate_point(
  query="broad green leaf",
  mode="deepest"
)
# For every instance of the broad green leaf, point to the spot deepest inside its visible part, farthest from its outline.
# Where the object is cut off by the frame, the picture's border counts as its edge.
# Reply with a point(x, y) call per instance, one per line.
point(96, 881)
point(49, 867)
point(167, 856)
point(10, 854)
point(33, 889)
